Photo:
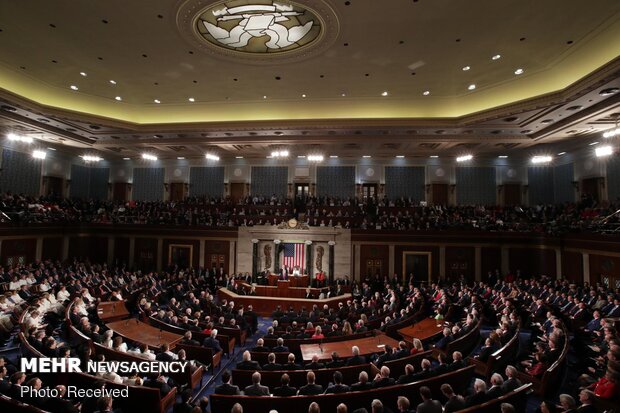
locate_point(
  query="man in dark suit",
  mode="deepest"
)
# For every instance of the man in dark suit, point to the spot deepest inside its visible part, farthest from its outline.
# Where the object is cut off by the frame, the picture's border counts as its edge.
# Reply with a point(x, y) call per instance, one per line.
point(480, 394)
point(356, 359)
point(455, 402)
point(187, 339)
point(310, 389)
point(512, 382)
point(212, 342)
point(409, 375)
point(425, 372)
point(247, 363)
point(383, 378)
point(314, 364)
point(160, 383)
point(271, 363)
point(337, 387)
point(587, 398)
point(285, 390)
point(403, 350)
point(428, 405)
point(443, 367)
point(442, 344)
point(280, 347)
point(260, 347)
point(363, 383)
point(457, 361)
point(496, 389)
point(291, 365)
point(226, 388)
point(335, 362)
point(386, 356)
point(255, 389)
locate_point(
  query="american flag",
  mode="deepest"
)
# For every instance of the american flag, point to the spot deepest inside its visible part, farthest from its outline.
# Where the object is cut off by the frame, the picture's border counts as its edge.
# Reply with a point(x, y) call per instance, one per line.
point(294, 256)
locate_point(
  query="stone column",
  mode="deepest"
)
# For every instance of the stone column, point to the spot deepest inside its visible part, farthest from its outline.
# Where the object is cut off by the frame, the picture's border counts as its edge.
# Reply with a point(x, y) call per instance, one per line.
point(391, 254)
point(254, 257)
point(357, 256)
point(309, 266)
point(38, 254)
point(276, 256)
point(232, 259)
point(331, 260)
point(586, 267)
point(201, 252)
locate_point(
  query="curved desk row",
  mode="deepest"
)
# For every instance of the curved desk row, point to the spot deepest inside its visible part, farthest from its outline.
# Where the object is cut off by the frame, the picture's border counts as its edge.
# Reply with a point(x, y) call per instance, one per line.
point(265, 305)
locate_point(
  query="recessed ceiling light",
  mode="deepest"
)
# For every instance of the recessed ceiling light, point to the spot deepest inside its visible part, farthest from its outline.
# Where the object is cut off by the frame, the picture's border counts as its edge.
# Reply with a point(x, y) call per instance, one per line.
point(426, 92)
point(157, 101)
point(343, 94)
point(303, 96)
point(400, 156)
point(83, 74)
point(265, 97)
point(385, 93)
point(73, 87)
point(301, 156)
point(333, 156)
point(268, 156)
point(519, 71)
point(315, 158)
point(593, 143)
point(471, 87)
point(496, 57)
point(113, 82)
point(212, 157)
point(118, 98)
point(39, 154)
point(603, 151)
point(191, 99)
point(466, 68)
point(503, 156)
point(434, 156)
point(561, 153)
point(366, 156)
point(180, 158)
point(91, 158)
point(541, 159)
point(238, 157)
point(126, 159)
point(51, 149)
point(149, 157)
point(464, 158)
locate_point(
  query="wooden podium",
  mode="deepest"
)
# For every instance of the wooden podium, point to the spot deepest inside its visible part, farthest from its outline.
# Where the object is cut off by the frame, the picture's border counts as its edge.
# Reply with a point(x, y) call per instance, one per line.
point(302, 281)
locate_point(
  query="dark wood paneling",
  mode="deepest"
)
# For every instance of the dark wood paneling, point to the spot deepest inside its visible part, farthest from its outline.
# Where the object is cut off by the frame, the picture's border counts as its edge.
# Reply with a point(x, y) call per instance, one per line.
point(120, 191)
point(95, 249)
point(19, 248)
point(121, 250)
point(572, 266)
point(371, 256)
point(532, 261)
point(52, 248)
point(460, 260)
point(512, 194)
point(603, 265)
point(398, 259)
point(491, 260)
point(145, 254)
point(439, 194)
point(195, 244)
point(219, 251)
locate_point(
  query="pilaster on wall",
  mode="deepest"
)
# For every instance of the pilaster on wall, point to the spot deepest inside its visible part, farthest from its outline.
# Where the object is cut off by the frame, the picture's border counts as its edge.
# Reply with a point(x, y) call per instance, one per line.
point(357, 251)
point(558, 263)
point(232, 262)
point(111, 248)
point(39, 249)
point(392, 252)
point(201, 256)
point(132, 250)
point(586, 267)
point(505, 260)
point(160, 253)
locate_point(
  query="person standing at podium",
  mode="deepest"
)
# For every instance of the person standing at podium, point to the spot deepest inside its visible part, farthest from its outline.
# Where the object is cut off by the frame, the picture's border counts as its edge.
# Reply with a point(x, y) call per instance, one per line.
point(284, 273)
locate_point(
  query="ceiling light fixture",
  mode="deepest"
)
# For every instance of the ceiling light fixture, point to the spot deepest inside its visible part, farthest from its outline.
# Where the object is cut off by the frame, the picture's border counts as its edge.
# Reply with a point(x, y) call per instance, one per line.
point(279, 154)
point(604, 151)
point(471, 87)
point(51, 149)
point(83, 74)
point(181, 158)
point(496, 57)
point(315, 158)
point(541, 159)
point(238, 157)
point(434, 156)
point(519, 71)
point(39, 154)
point(212, 157)
point(73, 87)
point(264, 96)
point(126, 159)
point(464, 158)
point(503, 156)
point(561, 153)
point(426, 92)
point(113, 82)
point(333, 156)
point(303, 96)
point(149, 157)
point(366, 156)
point(18, 138)
point(157, 101)
point(593, 143)
point(301, 156)
point(385, 93)
point(91, 158)
point(400, 156)
point(343, 94)
point(466, 68)
point(118, 98)
point(611, 133)
point(191, 99)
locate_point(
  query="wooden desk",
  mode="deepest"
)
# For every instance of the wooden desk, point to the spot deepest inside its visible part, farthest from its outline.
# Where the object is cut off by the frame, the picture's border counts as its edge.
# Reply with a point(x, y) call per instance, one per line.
point(140, 332)
point(367, 346)
point(302, 281)
point(265, 305)
point(112, 311)
point(422, 330)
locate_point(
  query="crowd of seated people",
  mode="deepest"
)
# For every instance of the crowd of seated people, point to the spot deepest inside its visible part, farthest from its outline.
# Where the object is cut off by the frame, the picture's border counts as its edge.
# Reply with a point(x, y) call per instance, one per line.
point(369, 213)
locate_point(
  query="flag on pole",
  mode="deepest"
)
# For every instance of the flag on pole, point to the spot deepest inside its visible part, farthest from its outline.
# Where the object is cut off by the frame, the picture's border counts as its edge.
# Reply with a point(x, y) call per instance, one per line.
point(294, 256)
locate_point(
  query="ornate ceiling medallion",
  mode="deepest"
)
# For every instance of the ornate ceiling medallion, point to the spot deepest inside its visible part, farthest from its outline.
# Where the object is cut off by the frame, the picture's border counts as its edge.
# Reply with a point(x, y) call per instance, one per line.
point(262, 31)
